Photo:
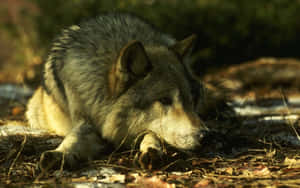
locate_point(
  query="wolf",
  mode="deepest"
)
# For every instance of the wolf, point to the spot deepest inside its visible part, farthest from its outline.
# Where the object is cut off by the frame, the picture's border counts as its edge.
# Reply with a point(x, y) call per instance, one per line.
point(113, 80)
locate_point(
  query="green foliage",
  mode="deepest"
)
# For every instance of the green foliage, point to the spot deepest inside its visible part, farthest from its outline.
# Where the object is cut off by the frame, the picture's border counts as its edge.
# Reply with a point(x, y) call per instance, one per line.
point(229, 31)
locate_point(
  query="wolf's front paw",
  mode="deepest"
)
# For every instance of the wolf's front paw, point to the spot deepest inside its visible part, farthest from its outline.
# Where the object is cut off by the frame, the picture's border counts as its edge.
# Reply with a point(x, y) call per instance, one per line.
point(152, 159)
point(56, 160)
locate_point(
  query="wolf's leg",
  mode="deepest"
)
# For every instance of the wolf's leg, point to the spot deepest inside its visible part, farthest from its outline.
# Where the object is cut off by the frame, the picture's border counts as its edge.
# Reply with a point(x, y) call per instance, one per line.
point(151, 152)
point(82, 144)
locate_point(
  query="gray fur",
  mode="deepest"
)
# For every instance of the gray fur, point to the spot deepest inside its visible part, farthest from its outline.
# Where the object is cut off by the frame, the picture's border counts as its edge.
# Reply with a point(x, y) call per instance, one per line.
point(79, 89)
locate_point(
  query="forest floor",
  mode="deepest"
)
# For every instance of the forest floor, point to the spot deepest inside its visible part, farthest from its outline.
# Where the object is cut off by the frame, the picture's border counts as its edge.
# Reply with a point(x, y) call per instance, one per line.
point(262, 150)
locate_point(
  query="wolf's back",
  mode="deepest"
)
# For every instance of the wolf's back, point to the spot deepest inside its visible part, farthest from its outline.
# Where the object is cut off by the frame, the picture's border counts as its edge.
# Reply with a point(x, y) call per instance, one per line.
point(79, 58)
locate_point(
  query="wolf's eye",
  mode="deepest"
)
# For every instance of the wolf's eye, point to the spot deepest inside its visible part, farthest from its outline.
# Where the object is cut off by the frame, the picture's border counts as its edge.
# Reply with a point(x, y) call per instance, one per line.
point(165, 101)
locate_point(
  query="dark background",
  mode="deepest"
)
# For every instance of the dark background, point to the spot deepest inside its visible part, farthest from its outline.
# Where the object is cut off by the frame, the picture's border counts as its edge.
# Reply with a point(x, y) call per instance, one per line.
point(229, 31)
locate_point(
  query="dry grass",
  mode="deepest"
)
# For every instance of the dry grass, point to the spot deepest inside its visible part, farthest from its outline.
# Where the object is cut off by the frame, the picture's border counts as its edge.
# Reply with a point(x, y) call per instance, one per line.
point(255, 167)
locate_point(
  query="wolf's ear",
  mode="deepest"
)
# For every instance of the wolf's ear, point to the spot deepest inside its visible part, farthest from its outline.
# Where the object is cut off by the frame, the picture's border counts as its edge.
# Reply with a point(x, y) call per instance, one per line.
point(182, 47)
point(131, 65)
point(134, 60)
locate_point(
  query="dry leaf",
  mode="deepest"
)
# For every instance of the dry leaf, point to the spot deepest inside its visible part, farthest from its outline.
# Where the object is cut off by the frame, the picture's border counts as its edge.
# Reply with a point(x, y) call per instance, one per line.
point(292, 163)
point(261, 171)
point(202, 183)
point(152, 182)
point(17, 110)
point(229, 170)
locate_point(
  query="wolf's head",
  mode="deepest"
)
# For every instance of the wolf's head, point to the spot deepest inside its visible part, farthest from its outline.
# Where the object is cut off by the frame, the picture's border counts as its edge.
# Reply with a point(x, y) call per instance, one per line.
point(152, 91)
